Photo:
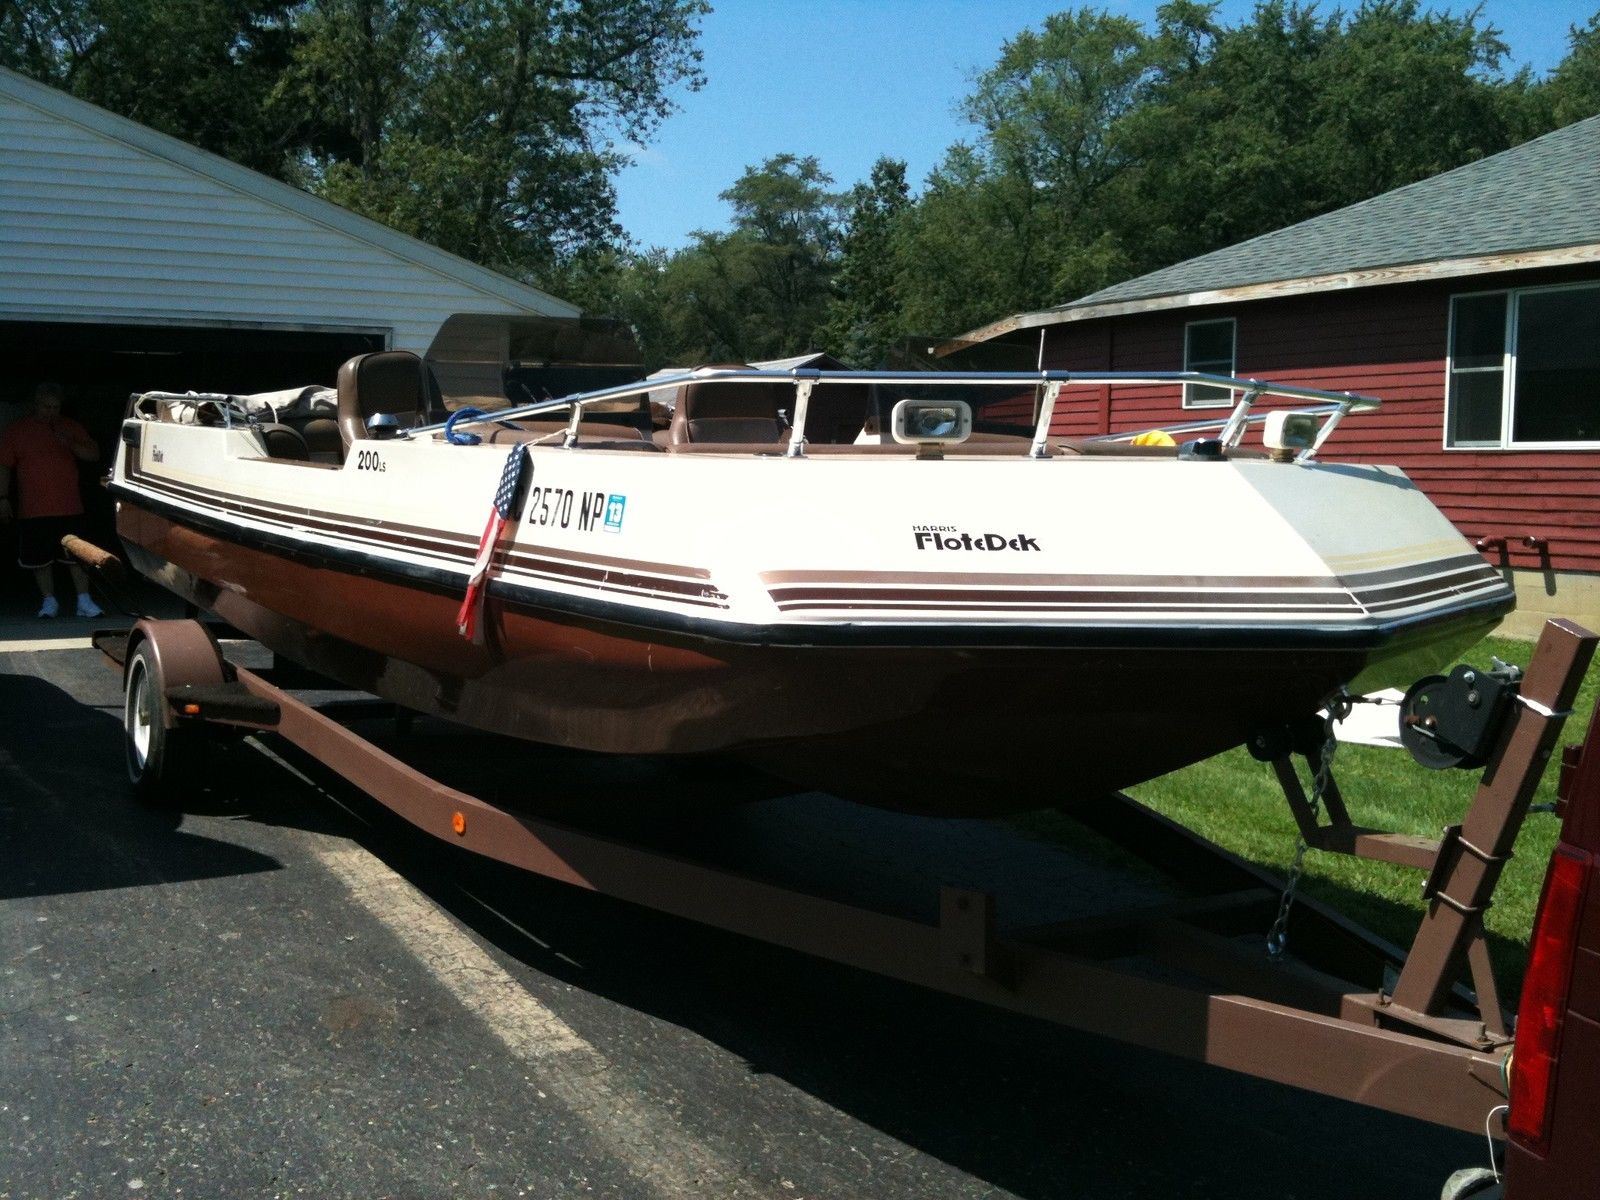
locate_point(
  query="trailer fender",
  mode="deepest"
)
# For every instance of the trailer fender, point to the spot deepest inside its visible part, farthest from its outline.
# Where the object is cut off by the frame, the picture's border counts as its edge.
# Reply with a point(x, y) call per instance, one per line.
point(181, 652)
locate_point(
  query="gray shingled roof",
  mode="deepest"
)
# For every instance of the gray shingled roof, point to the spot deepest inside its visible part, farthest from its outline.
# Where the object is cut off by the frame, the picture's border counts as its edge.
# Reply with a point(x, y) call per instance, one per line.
point(1539, 195)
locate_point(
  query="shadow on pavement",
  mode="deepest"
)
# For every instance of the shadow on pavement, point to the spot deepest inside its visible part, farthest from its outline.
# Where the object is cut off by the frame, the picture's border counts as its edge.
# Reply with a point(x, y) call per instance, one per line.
point(1033, 1110)
point(66, 818)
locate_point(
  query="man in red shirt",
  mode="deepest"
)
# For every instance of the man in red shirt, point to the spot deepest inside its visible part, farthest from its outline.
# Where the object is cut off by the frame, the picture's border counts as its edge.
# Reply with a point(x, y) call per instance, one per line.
point(43, 449)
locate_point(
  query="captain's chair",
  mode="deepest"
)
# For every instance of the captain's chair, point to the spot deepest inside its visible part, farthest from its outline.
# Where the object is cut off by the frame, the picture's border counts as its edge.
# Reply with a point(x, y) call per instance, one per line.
point(742, 413)
point(387, 381)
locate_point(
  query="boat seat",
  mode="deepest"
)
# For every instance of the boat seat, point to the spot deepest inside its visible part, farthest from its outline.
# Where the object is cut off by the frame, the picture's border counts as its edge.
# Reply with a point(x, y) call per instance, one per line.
point(323, 440)
point(283, 442)
point(599, 435)
point(730, 413)
point(386, 381)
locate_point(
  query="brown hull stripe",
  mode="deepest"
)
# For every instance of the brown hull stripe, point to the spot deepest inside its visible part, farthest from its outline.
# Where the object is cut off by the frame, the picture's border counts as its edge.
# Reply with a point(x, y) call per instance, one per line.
point(1052, 606)
point(1007, 579)
point(1085, 598)
point(597, 571)
point(1118, 607)
point(1399, 591)
point(1323, 595)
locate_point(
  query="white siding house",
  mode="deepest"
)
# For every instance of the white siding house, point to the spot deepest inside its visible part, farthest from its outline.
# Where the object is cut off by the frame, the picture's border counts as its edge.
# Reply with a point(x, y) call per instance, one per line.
point(130, 261)
point(105, 221)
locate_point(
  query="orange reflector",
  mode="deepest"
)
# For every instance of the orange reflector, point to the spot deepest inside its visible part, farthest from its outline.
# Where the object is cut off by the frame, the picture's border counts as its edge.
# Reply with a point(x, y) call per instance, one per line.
point(458, 822)
point(191, 710)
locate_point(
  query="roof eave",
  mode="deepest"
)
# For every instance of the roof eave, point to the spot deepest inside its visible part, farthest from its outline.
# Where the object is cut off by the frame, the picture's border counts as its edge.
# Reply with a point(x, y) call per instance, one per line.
point(272, 191)
point(1451, 268)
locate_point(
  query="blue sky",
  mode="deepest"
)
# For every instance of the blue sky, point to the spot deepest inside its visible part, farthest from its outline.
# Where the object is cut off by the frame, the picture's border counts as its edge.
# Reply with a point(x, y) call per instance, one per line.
point(850, 80)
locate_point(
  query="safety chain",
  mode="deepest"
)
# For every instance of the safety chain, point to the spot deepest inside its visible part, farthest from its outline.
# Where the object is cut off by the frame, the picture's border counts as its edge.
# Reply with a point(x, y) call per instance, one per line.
point(1339, 706)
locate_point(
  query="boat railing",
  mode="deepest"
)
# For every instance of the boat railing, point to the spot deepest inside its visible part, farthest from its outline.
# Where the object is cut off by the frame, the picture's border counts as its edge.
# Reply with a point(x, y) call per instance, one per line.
point(225, 406)
point(1332, 407)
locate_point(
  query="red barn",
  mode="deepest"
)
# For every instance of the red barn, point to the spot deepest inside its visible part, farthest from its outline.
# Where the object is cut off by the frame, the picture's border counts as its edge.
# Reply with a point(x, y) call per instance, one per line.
point(1469, 302)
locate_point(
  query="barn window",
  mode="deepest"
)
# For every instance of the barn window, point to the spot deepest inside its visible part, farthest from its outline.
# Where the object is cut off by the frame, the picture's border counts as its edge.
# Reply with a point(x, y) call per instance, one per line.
point(1208, 347)
point(1524, 369)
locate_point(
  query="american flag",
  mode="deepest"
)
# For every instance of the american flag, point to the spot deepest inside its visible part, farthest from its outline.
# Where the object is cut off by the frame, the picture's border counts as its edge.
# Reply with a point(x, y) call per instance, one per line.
point(507, 502)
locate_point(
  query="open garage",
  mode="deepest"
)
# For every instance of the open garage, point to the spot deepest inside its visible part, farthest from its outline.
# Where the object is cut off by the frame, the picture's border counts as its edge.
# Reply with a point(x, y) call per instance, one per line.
point(131, 261)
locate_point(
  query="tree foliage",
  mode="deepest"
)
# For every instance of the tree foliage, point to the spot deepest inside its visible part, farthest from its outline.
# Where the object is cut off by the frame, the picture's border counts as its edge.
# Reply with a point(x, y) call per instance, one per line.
point(863, 317)
point(762, 287)
point(485, 126)
point(748, 293)
point(1574, 88)
point(200, 71)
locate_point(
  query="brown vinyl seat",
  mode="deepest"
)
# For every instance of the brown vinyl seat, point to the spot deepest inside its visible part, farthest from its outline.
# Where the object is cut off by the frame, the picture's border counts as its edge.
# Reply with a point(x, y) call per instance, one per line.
point(730, 413)
point(282, 441)
point(760, 414)
point(596, 435)
point(323, 440)
point(386, 381)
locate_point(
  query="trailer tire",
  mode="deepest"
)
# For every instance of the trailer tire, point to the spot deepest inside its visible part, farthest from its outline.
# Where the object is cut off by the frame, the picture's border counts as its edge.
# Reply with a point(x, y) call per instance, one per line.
point(1472, 1183)
point(163, 763)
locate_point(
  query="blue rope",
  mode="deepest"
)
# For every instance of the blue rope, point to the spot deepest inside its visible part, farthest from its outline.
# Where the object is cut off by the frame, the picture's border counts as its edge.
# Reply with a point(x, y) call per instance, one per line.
point(462, 439)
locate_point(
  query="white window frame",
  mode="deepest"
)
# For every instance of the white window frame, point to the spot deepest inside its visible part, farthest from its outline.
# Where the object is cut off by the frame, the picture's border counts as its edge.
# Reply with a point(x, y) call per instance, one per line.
point(1508, 369)
point(1233, 363)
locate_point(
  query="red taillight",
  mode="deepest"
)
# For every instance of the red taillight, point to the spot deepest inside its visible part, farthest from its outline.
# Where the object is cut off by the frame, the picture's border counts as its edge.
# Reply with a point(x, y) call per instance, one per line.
point(1544, 996)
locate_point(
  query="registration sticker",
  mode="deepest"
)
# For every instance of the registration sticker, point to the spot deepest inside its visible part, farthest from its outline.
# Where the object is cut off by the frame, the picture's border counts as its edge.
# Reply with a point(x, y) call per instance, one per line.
point(614, 507)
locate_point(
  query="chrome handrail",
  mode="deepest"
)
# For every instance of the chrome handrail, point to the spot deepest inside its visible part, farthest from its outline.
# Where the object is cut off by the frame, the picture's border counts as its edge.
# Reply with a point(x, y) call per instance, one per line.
point(1336, 404)
point(226, 403)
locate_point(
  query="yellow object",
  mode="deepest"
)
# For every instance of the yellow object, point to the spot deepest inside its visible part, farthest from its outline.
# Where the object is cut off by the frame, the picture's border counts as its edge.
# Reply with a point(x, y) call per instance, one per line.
point(1153, 437)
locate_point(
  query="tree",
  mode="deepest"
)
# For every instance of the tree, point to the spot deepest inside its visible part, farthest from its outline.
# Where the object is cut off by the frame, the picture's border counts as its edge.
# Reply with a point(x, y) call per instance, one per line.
point(488, 127)
point(201, 71)
point(1020, 219)
point(1574, 87)
point(1405, 94)
point(761, 289)
point(1051, 108)
point(784, 242)
point(1295, 113)
point(613, 281)
point(864, 318)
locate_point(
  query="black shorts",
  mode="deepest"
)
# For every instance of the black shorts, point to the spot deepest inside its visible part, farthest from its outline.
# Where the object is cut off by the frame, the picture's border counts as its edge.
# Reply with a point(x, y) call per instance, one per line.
point(39, 540)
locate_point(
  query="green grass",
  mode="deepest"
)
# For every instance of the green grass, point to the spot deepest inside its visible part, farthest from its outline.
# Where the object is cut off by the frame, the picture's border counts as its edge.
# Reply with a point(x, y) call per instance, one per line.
point(1235, 801)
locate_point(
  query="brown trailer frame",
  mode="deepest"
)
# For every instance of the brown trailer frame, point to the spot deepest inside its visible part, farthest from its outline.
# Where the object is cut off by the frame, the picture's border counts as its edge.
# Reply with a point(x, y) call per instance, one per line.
point(1421, 1052)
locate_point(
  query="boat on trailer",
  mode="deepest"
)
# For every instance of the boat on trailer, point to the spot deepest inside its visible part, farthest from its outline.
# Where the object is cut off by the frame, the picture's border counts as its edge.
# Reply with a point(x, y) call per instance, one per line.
point(859, 581)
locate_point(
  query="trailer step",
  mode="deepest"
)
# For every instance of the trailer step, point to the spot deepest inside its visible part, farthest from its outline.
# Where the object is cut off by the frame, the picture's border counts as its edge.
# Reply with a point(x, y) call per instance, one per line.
point(229, 702)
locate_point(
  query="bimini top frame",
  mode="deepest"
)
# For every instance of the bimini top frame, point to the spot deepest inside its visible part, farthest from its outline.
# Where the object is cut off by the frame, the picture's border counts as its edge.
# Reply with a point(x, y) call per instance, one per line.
point(1332, 406)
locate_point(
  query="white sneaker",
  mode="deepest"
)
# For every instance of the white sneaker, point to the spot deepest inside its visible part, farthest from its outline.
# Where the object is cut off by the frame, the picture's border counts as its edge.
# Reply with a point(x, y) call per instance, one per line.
point(87, 607)
point(50, 607)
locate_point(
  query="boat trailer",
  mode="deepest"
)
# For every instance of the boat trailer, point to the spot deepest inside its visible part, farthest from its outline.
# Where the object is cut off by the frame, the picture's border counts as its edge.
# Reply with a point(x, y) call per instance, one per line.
point(1345, 1015)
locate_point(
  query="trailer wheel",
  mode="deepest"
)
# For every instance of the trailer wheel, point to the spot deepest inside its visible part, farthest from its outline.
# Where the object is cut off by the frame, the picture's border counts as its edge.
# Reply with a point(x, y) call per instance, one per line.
point(162, 762)
point(1472, 1183)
